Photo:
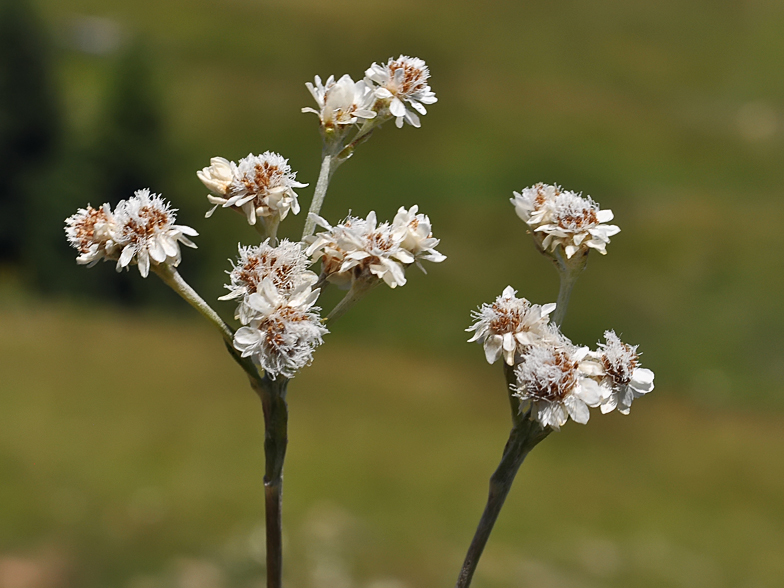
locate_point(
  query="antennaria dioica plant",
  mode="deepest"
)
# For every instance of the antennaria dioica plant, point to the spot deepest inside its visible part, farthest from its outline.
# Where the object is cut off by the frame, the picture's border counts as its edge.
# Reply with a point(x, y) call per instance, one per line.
point(549, 378)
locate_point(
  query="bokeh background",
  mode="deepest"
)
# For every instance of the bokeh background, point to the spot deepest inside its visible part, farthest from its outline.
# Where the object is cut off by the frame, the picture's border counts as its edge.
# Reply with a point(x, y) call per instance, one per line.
point(131, 446)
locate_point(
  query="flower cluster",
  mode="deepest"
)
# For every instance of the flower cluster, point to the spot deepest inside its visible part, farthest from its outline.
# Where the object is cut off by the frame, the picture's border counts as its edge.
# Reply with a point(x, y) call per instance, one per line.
point(616, 366)
point(400, 81)
point(285, 265)
point(554, 377)
point(397, 89)
point(509, 326)
point(259, 186)
point(141, 231)
point(281, 326)
point(550, 378)
point(362, 249)
point(561, 218)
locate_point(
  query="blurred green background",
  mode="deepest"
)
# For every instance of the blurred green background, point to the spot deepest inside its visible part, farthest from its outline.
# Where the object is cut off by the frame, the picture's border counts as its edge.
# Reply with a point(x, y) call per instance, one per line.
point(131, 447)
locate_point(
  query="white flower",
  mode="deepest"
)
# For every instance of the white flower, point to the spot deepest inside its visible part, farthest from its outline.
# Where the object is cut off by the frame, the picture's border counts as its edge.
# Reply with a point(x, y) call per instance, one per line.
point(360, 248)
point(145, 231)
point(417, 235)
point(400, 81)
point(564, 218)
point(509, 326)
point(259, 186)
point(218, 176)
point(341, 103)
point(285, 265)
point(550, 378)
point(284, 332)
point(616, 366)
point(91, 232)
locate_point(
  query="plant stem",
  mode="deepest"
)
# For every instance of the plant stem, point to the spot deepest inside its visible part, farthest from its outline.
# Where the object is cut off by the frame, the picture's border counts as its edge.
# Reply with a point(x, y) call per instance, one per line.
point(525, 435)
point(568, 272)
point(359, 288)
point(327, 167)
point(273, 400)
point(174, 280)
point(568, 280)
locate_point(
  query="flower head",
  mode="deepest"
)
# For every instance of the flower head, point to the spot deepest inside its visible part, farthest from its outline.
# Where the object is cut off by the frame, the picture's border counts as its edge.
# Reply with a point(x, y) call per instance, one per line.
point(283, 332)
point(258, 186)
point(417, 235)
point(509, 326)
point(564, 218)
point(285, 265)
point(145, 232)
point(91, 232)
point(616, 366)
point(550, 378)
point(361, 248)
point(341, 103)
point(401, 82)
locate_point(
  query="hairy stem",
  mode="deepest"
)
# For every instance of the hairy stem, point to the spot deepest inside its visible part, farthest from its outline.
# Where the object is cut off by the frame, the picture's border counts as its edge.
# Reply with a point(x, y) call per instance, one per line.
point(359, 288)
point(174, 280)
point(568, 271)
point(525, 435)
point(328, 165)
point(273, 400)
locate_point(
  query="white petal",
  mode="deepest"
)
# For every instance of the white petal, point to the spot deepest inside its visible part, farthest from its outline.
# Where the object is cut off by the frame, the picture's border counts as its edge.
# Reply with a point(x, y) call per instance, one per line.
point(589, 392)
point(577, 409)
point(493, 348)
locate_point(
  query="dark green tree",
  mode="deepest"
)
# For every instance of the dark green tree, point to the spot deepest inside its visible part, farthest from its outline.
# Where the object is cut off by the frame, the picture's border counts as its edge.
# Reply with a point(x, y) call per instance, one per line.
point(129, 150)
point(30, 122)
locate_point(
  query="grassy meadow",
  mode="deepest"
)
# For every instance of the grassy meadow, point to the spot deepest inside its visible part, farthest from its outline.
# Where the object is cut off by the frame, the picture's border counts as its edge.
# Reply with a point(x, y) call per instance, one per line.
point(131, 448)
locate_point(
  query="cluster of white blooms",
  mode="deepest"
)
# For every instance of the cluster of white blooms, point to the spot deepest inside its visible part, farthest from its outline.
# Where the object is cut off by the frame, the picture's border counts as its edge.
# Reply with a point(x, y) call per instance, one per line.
point(260, 186)
point(564, 218)
point(91, 232)
point(400, 81)
point(556, 378)
point(362, 249)
point(550, 378)
point(384, 93)
point(509, 326)
point(616, 366)
point(285, 265)
point(282, 327)
point(140, 231)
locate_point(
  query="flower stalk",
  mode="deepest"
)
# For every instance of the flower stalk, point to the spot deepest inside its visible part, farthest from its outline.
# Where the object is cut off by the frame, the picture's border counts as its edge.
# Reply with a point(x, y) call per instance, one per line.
point(524, 436)
point(328, 166)
point(568, 272)
point(276, 415)
point(172, 278)
point(359, 288)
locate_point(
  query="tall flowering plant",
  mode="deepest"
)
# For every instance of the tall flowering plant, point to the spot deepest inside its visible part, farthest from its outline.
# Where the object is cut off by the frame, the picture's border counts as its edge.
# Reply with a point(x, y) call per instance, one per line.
point(550, 379)
point(278, 323)
point(275, 284)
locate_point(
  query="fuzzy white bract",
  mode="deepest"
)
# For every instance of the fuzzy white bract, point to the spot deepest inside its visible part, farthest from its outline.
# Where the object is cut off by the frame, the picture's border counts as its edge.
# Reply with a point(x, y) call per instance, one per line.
point(259, 186)
point(399, 84)
point(550, 378)
point(285, 265)
point(341, 103)
point(564, 218)
point(146, 233)
point(284, 330)
point(91, 232)
point(361, 248)
point(509, 326)
point(616, 366)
